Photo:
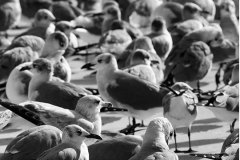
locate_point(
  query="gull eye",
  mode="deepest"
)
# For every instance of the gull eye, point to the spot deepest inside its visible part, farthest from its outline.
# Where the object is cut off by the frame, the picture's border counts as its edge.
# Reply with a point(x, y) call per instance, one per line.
point(100, 61)
point(97, 101)
point(79, 132)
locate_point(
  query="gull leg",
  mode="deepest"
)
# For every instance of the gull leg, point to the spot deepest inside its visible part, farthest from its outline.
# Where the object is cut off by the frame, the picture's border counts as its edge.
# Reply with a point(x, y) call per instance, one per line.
point(232, 125)
point(130, 129)
point(175, 140)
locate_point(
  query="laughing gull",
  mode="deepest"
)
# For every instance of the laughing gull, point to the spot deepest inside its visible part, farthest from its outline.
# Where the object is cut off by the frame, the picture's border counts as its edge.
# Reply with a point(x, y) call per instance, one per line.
point(72, 146)
point(229, 22)
point(230, 149)
point(34, 42)
point(65, 10)
point(12, 58)
point(155, 141)
point(120, 148)
point(54, 48)
point(140, 66)
point(191, 65)
point(208, 7)
point(161, 38)
point(179, 30)
point(10, 14)
point(170, 11)
point(180, 108)
point(31, 143)
point(141, 15)
point(86, 113)
point(142, 99)
point(67, 28)
point(42, 25)
point(43, 89)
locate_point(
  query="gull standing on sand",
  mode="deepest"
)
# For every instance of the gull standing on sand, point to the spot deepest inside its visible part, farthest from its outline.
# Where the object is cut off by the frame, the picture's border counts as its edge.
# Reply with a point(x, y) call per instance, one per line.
point(142, 99)
point(155, 141)
point(72, 146)
point(32, 142)
point(180, 109)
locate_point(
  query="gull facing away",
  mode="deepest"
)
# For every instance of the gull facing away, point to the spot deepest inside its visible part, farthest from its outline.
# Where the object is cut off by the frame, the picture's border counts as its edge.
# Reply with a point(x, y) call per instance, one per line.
point(72, 146)
point(120, 148)
point(180, 109)
point(32, 142)
point(155, 141)
point(141, 98)
point(140, 66)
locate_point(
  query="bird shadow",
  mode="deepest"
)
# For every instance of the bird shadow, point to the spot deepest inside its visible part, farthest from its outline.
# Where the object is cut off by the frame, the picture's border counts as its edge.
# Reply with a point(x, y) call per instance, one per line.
point(106, 120)
point(5, 141)
point(188, 157)
point(197, 142)
point(198, 128)
point(208, 120)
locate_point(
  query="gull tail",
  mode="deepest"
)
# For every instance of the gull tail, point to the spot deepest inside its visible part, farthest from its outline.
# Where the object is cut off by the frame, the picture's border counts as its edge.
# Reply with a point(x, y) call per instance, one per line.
point(22, 112)
point(112, 109)
point(209, 156)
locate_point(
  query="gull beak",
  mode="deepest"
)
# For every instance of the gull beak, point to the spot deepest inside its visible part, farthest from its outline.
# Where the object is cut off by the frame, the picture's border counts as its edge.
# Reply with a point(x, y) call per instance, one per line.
point(88, 66)
point(93, 136)
point(26, 68)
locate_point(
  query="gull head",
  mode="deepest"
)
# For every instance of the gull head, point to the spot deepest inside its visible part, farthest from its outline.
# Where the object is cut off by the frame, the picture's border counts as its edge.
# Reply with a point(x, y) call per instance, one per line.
point(140, 56)
point(103, 62)
point(90, 105)
point(77, 134)
point(157, 126)
point(43, 18)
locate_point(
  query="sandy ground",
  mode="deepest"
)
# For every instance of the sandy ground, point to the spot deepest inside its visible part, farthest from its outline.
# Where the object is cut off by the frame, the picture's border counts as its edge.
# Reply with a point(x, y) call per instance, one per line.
point(208, 133)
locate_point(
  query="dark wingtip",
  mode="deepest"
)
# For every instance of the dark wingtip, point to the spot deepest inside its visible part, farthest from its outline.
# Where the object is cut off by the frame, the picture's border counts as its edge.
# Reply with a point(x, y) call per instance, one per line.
point(22, 112)
point(112, 109)
point(88, 66)
point(93, 91)
point(25, 68)
point(95, 136)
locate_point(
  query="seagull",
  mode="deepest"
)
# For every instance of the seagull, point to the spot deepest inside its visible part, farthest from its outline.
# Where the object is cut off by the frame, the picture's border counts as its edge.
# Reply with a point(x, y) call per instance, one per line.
point(34, 42)
point(208, 7)
point(54, 48)
point(161, 38)
point(170, 11)
point(229, 22)
point(90, 6)
point(179, 30)
point(86, 113)
point(120, 148)
point(42, 25)
point(72, 146)
point(155, 141)
point(65, 10)
point(43, 89)
point(144, 43)
point(180, 108)
point(10, 14)
point(32, 142)
point(12, 58)
point(227, 76)
point(230, 149)
point(193, 11)
point(141, 98)
point(141, 15)
point(191, 65)
point(67, 28)
point(140, 66)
